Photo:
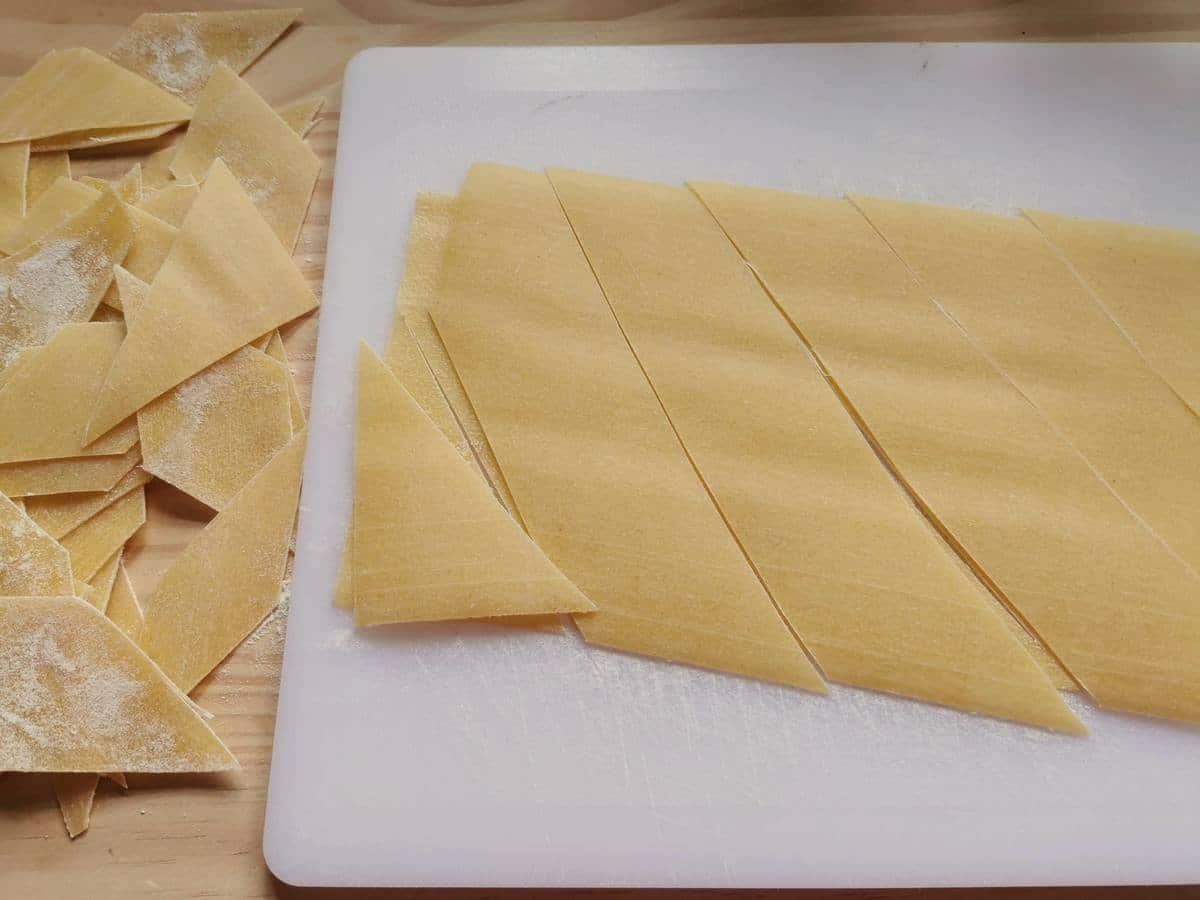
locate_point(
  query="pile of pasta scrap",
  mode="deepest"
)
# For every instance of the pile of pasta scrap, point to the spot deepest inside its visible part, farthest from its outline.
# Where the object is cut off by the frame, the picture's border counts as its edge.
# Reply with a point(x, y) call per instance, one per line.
point(138, 341)
point(946, 454)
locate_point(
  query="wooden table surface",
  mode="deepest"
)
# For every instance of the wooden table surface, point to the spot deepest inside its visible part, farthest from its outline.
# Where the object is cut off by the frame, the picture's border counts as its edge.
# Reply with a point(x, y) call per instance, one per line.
point(201, 836)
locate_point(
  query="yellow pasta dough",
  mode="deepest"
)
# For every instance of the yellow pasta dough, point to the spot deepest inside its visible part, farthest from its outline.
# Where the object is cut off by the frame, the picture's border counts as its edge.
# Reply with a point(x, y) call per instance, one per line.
point(46, 404)
point(44, 170)
point(272, 163)
point(93, 138)
point(178, 50)
point(301, 115)
point(32, 564)
point(414, 341)
point(414, 375)
point(226, 281)
point(131, 292)
point(278, 352)
point(61, 277)
point(872, 590)
point(78, 696)
point(97, 539)
point(1116, 606)
point(128, 187)
point(14, 168)
point(76, 793)
point(124, 610)
point(418, 288)
point(598, 474)
point(104, 580)
point(171, 202)
point(87, 593)
point(1008, 289)
point(1148, 280)
point(149, 244)
point(152, 242)
point(156, 168)
point(78, 90)
point(404, 360)
point(105, 313)
point(343, 586)
point(59, 513)
point(211, 434)
point(55, 205)
point(228, 578)
point(65, 476)
point(430, 540)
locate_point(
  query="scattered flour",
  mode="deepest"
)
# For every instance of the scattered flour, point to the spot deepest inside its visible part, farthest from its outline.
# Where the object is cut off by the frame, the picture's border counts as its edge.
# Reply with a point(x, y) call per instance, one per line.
point(210, 435)
point(342, 639)
point(60, 281)
point(243, 161)
point(176, 59)
point(31, 562)
point(69, 695)
point(54, 280)
point(51, 701)
point(274, 626)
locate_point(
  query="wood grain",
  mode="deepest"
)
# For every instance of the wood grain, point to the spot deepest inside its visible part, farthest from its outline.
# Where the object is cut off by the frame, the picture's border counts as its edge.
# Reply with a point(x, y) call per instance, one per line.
point(201, 836)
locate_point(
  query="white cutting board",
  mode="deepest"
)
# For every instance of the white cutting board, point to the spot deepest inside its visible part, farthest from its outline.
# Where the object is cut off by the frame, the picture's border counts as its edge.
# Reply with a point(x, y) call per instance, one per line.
point(478, 756)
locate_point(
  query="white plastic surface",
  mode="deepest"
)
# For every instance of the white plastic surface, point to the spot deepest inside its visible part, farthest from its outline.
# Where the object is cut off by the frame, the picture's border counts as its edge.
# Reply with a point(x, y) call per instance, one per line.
point(479, 756)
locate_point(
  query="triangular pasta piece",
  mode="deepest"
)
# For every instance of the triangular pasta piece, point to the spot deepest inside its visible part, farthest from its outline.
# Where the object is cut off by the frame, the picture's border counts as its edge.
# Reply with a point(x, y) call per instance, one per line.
point(873, 591)
point(96, 540)
point(44, 170)
point(14, 172)
point(124, 610)
point(418, 380)
point(61, 278)
point(226, 281)
point(102, 137)
point(79, 696)
point(274, 166)
point(32, 564)
point(131, 292)
point(78, 90)
point(59, 201)
point(46, 405)
point(278, 352)
point(151, 244)
point(65, 476)
point(301, 115)
point(210, 435)
point(430, 540)
point(59, 513)
point(228, 578)
point(152, 240)
point(178, 50)
point(105, 579)
point(76, 793)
